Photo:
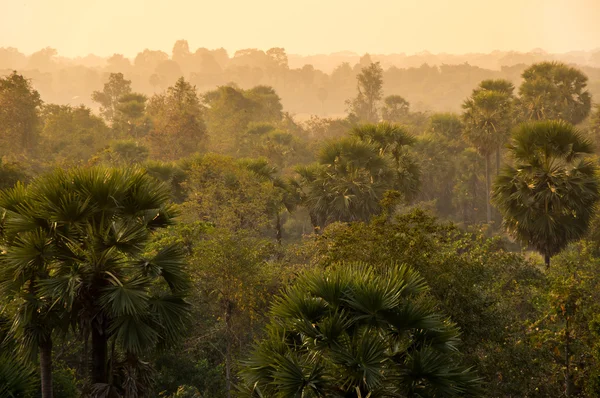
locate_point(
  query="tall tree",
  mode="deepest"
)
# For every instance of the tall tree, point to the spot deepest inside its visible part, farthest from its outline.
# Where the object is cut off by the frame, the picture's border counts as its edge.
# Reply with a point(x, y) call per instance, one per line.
point(347, 183)
point(396, 109)
point(130, 118)
point(547, 196)
point(108, 98)
point(284, 197)
point(393, 142)
point(358, 331)
point(553, 90)
point(88, 229)
point(365, 107)
point(487, 120)
point(19, 114)
point(72, 134)
point(178, 126)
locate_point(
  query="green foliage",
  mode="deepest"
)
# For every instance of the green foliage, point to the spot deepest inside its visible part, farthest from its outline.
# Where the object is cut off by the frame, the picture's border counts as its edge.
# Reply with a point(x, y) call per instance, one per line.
point(80, 236)
point(357, 330)
point(19, 115)
point(365, 107)
point(178, 127)
point(553, 90)
point(353, 174)
point(108, 99)
point(72, 135)
point(396, 109)
point(130, 116)
point(16, 378)
point(124, 153)
point(547, 196)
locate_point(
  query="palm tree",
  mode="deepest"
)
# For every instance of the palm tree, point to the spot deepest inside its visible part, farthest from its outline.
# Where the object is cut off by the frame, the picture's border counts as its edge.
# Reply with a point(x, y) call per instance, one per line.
point(346, 184)
point(353, 173)
point(16, 378)
point(357, 331)
point(548, 195)
point(487, 119)
point(90, 229)
point(393, 141)
point(27, 253)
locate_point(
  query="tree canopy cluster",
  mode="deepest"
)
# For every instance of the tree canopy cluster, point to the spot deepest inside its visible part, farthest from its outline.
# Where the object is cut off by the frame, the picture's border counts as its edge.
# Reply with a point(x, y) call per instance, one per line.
point(203, 242)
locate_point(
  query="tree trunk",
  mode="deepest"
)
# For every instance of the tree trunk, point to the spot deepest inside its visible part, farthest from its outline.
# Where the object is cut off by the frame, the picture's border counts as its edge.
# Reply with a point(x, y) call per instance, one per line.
point(278, 232)
point(99, 353)
point(315, 225)
point(228, 349)
point(547, 260)
point(46, 367)
point(487, 189)
point(568, 385)
point(498, 160)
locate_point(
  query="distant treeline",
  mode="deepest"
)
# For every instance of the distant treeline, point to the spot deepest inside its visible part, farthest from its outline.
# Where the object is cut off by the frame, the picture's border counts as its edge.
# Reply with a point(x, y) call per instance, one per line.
point(308, 85)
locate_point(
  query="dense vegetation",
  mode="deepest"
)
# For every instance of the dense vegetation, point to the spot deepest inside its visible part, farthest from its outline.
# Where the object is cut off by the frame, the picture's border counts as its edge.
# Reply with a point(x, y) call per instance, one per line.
point(205, 243)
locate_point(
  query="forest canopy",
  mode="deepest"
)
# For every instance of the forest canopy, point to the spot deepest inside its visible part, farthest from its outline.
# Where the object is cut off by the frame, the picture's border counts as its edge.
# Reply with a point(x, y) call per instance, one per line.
point(201, 224)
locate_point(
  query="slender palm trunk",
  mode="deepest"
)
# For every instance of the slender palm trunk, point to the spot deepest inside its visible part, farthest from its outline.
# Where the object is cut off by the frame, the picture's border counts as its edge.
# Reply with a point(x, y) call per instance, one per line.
point(568, 384)
point(498, 160)
point(99, 354)
point(46, 367)
point(547, 260)
point(487, 189)
point(314, 223)
point(278, 231)
point(228, 349)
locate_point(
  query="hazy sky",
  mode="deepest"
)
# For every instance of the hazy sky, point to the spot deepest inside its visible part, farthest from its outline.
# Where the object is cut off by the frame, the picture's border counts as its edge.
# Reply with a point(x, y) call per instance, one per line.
point(79, 27)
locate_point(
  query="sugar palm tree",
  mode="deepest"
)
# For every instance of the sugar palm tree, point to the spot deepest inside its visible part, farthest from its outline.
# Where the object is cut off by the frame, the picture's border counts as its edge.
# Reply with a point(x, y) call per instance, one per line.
point(90, 229)
point(548, 195)
point(346, 184)
point(393, 141)
point(487, 118)
point(357, 331)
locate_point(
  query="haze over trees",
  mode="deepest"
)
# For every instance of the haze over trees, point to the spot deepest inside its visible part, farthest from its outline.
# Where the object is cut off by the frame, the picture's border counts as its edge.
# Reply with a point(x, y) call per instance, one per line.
point(200, 224)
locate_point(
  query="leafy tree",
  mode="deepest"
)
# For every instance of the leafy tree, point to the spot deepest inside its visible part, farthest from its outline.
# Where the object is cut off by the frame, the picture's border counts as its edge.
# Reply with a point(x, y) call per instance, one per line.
point(233, 274)
point(547, 196)
point(108, 98)
point(567, 325)
point(449, 126)
point(488, 291)
point(232, 112)
point(553, 90)
point(224, 192)
point(487, 122)
point(469, 190)
point(178, 126)
point(130, 116)
point(284, 195)
point(358, 331)
point(72, 134)
point(370, 91)
point(19, 114)
point(84, 233)
point(396, 109)
point(124, 153)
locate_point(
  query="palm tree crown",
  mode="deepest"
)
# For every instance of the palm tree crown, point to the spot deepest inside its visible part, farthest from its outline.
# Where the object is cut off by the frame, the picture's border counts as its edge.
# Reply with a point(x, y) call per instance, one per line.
point(548, 195)
point(357, 331)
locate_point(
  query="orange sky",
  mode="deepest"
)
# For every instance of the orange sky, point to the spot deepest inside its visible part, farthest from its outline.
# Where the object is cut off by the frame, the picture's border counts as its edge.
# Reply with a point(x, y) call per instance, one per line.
point(79, 27)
